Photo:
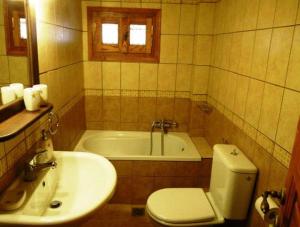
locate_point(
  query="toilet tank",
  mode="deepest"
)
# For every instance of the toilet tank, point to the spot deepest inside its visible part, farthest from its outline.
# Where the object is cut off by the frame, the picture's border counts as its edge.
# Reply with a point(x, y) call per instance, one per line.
point(232, 181)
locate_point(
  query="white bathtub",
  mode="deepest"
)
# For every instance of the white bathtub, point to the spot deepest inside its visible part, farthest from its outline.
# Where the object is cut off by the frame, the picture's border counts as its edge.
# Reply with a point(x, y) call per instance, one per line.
point(121, 145)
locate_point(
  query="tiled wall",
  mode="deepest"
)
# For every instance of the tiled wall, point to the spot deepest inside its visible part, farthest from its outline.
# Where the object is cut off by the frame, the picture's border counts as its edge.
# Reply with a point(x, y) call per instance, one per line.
point(129, 96)
point(254, 78)
point(12, 68)
point(60, 58)
point(253, 85)
point(59, 37)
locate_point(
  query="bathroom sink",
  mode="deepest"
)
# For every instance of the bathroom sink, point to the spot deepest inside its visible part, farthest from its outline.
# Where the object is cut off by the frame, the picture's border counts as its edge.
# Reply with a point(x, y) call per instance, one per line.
point(81, 183)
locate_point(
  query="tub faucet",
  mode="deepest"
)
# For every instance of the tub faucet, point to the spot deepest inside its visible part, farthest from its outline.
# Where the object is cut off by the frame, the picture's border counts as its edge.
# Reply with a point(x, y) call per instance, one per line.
point(164, 126)
point(31, 167)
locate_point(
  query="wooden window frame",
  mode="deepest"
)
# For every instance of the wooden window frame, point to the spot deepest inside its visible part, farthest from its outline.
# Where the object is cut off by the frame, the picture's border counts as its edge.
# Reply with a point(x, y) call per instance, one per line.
point(124, 51)
point(15, 46)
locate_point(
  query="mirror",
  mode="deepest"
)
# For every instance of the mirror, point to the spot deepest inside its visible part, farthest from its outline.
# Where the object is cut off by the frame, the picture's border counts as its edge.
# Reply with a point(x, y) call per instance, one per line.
point(18, 47)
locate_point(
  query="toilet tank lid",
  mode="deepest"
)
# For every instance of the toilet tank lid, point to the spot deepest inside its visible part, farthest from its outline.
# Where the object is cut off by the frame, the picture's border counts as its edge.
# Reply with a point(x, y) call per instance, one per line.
point(234, 158)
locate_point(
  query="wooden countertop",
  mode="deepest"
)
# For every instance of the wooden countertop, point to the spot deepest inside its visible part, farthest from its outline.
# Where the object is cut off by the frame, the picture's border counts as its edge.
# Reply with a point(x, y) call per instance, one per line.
point(20, 121)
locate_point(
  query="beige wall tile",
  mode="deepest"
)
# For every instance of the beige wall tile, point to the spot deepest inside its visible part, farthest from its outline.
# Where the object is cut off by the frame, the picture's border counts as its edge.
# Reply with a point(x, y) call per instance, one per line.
point(205, 18)
point(131, 4)
point(298, 17)
point(230, 86)
point(111, 4)
point(169, 48)
point(200, 79)
point(254, 100)
point(148, 76)
point(18, 70)
point(2, 41)
point(217, 49)
point(270, 110)
point(286, 12)
point(187, 19)
point(251, 12)
point(239, 19)
point(279, 55)
point(4, 71)
point(85, 46)
point(46, 11)
point(130, 73)
point(1, 13)
point(241, 96)
point(183, 79)
point(92, 75)
point(260, 54)
point(288, 120)
point(230, 16)
point(246, 52)
point(166, 77)
point(225, 50)
point(185, 49)
point(293, 80)
point(235, 51)
point(111, 75)
point(170, 19)
point(151, 5)
point(202, 51)
point(266, 13)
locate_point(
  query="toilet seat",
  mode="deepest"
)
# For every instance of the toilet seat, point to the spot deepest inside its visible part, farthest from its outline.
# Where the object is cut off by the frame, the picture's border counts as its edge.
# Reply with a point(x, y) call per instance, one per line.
point(183, 207)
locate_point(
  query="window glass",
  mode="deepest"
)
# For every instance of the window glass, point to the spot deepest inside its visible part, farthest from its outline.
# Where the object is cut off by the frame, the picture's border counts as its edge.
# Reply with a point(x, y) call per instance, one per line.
point(137, 34)
point(23, 28)
point(110, 33)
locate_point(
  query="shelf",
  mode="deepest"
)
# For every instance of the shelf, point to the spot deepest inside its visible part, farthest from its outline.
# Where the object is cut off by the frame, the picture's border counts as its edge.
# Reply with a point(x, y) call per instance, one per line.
point(20, 121)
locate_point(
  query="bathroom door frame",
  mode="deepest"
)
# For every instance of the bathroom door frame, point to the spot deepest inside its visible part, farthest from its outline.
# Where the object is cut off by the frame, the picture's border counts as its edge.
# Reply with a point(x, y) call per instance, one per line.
point(290, 211)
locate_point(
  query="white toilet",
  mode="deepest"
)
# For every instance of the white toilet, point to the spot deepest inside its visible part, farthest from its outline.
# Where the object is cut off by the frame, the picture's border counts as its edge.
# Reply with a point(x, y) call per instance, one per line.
point(232, 181)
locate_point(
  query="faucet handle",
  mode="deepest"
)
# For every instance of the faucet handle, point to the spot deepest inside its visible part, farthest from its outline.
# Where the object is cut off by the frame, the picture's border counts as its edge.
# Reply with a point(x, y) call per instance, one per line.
point(170, 123)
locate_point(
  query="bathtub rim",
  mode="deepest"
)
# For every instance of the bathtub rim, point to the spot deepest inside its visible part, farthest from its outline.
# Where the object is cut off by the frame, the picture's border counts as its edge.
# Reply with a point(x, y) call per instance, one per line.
point(181, 135)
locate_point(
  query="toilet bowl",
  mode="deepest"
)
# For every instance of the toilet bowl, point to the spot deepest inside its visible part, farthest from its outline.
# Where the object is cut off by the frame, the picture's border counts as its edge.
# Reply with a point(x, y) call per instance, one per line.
point(232, 181)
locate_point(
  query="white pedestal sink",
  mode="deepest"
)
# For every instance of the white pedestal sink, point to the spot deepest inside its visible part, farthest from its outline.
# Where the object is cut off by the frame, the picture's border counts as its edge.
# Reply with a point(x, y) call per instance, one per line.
point(82, 182)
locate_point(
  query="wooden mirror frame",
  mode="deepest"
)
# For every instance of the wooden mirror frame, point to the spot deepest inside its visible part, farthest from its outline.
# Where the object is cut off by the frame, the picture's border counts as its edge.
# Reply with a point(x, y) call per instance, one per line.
point(12, 108)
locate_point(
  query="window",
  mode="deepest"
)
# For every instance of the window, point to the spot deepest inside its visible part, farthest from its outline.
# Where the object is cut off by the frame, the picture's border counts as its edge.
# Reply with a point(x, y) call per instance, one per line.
point(16, 28)
point(123, 34)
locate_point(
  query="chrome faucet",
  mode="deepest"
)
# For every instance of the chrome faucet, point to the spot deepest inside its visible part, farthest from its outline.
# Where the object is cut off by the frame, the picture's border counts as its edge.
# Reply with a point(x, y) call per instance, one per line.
point(164, 126)
point(167, 124)
point(32, 167)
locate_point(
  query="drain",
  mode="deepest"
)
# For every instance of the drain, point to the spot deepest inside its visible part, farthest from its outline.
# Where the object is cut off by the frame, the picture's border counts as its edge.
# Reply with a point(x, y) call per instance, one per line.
point(55, 204)
point(137, 211)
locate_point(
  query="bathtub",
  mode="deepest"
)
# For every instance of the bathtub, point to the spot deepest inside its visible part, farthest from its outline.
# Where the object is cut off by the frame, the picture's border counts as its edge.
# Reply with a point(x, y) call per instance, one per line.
point(123, 145)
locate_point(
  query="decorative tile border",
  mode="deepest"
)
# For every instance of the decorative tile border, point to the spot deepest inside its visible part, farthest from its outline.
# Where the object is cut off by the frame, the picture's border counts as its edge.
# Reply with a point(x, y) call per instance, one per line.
point(265, 142)
point(92, 92)
point(250, 131)
point(237, 121)
point(282, 155)
point(130, 93)
point(199, 98)
point(112, 92)
point(150, 94)
point(166, 94)
point(182, 94)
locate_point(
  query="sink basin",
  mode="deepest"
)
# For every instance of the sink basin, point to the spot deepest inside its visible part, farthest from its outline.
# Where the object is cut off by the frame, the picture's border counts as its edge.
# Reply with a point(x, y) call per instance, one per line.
point(82, 182)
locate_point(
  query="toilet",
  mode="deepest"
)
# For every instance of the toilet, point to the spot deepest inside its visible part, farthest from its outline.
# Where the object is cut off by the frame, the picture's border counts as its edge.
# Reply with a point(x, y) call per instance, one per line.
point(231, 186)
